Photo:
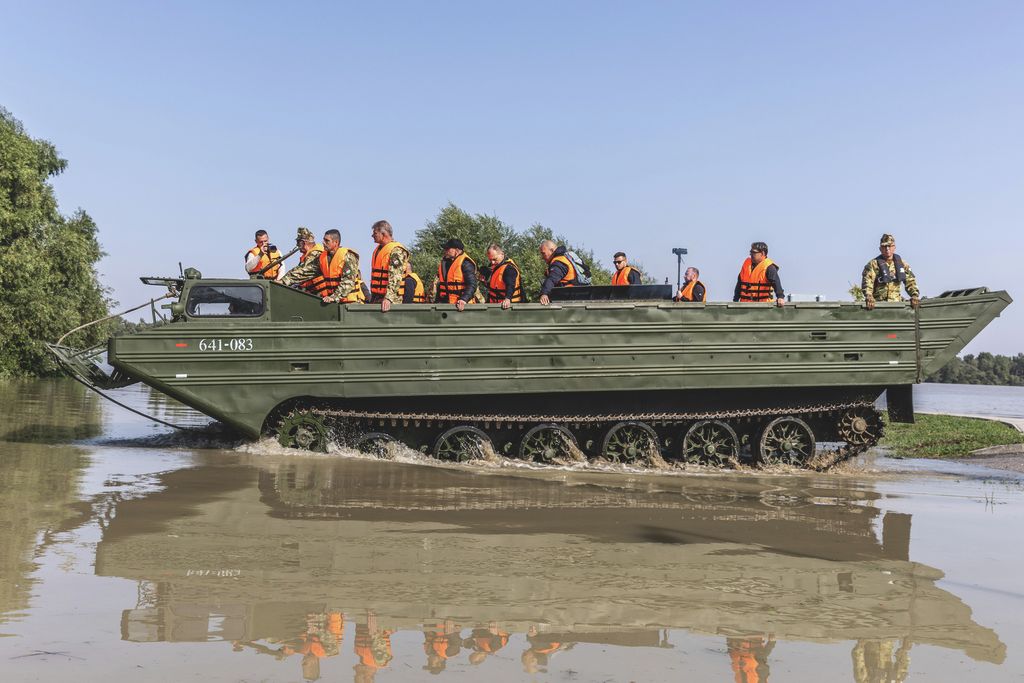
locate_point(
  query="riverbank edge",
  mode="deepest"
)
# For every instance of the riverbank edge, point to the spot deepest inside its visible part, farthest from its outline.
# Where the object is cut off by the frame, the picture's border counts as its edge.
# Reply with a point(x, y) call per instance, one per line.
point(1006, 457)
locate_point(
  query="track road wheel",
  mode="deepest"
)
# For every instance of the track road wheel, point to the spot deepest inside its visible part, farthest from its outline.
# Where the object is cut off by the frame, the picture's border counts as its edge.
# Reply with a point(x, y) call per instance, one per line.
point(462, 443)
point(861, 427)
point(711, 442)
point(786, 441)
point(377, 444)
point(304, 429)
point(548, 443)
point(630, 442)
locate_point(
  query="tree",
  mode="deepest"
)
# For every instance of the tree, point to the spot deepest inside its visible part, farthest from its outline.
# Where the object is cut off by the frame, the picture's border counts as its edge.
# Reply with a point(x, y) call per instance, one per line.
point(985, 368)
point(477, 231)
point(48, 280)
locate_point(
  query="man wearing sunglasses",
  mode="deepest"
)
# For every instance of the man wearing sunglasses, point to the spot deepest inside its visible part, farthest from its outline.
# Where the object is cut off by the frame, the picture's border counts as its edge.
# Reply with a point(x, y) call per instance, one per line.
point(624, 274)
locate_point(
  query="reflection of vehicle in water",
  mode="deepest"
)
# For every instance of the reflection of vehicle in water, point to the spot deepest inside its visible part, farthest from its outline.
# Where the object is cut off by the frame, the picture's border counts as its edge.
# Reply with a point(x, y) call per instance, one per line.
point(623, 380)
point(235, 553)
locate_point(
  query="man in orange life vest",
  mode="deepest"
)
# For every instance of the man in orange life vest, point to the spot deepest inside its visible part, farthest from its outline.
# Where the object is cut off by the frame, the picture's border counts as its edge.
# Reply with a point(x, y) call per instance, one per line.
point(624, 274)
point(456, 275)
point(387, 278)
point(693, 289)
point(260, 256)
point(339, 268)
point(759, 278)
point(415, 292)
point(502, 278)
point(561, 271)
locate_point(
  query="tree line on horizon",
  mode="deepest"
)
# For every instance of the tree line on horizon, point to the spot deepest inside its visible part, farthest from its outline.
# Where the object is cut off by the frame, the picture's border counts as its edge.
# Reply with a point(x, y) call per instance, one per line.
point(985, 368)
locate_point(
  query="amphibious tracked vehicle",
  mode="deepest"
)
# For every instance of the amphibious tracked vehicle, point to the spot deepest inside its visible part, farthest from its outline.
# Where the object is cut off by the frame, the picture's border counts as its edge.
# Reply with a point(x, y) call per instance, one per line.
point(618, 373)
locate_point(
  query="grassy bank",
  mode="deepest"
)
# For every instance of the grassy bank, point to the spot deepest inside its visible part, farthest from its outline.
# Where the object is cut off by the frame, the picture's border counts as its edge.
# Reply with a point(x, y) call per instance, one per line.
point(945, 436)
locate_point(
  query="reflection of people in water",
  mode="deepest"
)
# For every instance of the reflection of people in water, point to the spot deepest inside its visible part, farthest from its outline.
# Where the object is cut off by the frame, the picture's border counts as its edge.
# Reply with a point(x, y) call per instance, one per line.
point(441, 643)
point(373, 647)
point(880, 661)
point(749, 658)
point(322, 638)
point(485, 642)
point(542, 646)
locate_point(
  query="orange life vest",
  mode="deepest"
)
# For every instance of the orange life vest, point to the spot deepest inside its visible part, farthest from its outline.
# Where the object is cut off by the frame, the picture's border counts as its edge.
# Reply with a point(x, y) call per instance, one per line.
point(569, 279)
point(451, 284)
point(496, 285)
point(311, 645)
point(754, 285)
point(621, 277)
point(420, 295)
point(380, 272)
point(265, 259)
point(331, 268)
point(336, 624)
point(314, 285)
point(364, 648)
point(687, 293)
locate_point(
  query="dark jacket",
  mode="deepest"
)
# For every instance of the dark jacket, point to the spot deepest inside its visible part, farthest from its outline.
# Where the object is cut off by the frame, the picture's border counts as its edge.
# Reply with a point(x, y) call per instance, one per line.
point(556, 271)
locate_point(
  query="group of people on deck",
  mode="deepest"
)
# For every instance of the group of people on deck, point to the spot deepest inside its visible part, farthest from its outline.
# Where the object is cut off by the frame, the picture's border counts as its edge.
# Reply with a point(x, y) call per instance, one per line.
point(332, 272)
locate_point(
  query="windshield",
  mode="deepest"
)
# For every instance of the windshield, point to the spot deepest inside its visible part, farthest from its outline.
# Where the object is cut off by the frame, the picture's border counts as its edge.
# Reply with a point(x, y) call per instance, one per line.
point(225, 300)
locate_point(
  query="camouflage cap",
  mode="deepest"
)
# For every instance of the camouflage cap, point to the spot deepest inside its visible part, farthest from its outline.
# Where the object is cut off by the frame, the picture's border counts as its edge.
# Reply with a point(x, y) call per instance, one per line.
point(305, 234)
point(887, 240)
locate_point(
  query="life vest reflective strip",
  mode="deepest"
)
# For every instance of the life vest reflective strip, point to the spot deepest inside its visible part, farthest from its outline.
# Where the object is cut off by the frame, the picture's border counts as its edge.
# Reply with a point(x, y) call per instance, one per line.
point(312, 285)
point(451, 284)
point(687, 293)
point(569, 279)
point(621, 277)
point(379, 273)
point(884, 277)
point(265, 259)
point(330, 269)
point(496, 285)
point(754, 285)
point(420, 295)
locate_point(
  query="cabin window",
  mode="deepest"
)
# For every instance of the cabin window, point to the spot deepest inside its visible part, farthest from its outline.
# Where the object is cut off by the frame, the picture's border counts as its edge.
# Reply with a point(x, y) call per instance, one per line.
point(221, 301)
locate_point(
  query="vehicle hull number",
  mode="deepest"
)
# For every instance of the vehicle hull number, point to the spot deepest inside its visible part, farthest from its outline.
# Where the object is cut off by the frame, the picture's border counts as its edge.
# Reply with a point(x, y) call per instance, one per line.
point(230, 344)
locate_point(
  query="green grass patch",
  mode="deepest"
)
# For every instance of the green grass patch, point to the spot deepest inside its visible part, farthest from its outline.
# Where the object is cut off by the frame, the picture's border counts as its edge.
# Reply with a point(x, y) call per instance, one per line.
point(945, 436)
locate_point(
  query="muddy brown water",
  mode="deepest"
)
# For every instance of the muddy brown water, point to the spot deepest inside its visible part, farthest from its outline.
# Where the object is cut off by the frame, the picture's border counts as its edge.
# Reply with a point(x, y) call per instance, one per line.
point(127, 552)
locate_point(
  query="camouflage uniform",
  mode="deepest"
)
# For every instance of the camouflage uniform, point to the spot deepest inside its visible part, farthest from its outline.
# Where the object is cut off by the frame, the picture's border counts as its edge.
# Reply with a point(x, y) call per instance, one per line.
point(350, 276)
point(305, 235)
point(396, 274)
point(887, 291)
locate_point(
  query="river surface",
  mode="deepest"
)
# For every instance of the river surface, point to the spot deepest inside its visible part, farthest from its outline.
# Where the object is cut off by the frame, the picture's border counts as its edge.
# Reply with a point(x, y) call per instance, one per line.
point(131, 553)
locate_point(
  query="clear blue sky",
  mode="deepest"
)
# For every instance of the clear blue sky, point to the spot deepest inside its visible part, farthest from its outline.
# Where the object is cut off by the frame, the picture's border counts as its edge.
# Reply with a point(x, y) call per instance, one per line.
point(637, 126)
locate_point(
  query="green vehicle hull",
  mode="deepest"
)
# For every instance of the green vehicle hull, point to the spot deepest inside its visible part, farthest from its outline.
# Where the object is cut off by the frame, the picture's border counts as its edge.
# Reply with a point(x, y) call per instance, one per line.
point(563, 363)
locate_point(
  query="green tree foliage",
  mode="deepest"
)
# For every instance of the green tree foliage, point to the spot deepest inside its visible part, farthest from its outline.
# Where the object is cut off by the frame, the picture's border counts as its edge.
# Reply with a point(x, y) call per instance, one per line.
point(985, 368)
point(477, 231)
point(48, 281)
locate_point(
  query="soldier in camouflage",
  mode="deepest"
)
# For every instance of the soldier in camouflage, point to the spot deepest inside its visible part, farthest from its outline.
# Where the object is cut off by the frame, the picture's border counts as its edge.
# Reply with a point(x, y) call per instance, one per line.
point(387, 277)
point(349, 282)
point(309, 248)
point(886, 274)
